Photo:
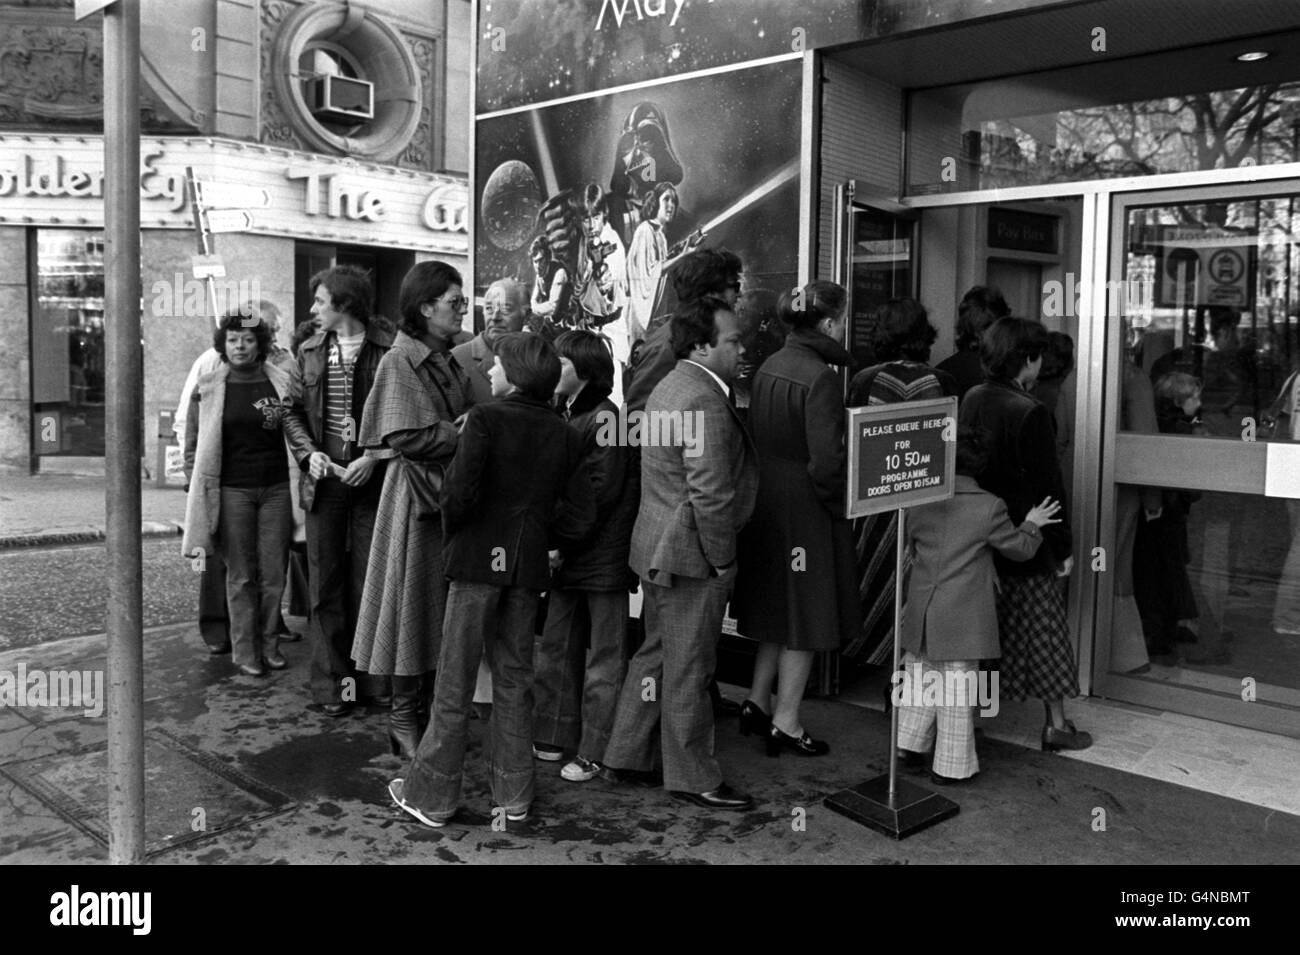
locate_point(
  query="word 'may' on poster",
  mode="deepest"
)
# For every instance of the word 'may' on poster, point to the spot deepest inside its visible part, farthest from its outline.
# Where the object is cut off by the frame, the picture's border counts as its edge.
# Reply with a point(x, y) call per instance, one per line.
point(900, 455)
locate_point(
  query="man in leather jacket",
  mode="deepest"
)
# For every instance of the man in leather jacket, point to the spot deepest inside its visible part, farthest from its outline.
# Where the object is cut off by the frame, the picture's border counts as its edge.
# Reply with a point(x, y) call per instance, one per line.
point(341, 484)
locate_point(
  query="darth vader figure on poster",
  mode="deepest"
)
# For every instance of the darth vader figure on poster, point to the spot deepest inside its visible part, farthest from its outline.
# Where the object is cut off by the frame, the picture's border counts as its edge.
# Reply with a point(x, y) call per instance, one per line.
point(643, 158)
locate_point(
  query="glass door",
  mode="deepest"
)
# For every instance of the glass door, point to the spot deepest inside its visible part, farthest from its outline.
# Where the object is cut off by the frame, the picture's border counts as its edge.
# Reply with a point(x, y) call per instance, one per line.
point(878, 258)
point(1199, 526)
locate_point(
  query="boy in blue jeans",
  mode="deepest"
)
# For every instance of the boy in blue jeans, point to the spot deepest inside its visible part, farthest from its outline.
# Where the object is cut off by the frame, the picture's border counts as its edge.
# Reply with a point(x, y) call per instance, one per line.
point(515, 490)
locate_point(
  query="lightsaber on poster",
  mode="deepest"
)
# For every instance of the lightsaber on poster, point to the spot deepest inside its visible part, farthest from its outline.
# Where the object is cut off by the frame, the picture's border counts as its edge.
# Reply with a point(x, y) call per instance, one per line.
point(773, 182)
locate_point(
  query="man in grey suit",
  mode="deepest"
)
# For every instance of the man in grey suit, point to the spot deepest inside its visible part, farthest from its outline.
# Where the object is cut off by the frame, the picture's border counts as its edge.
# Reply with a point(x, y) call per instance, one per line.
point(699, 480)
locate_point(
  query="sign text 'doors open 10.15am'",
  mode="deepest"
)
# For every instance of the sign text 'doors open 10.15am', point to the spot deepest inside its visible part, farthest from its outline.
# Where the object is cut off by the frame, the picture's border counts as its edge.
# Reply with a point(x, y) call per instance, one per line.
point(900, 455)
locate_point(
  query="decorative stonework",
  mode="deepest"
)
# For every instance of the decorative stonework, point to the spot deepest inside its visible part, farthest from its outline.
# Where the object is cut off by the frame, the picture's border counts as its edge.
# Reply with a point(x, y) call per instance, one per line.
point(419, 154)
point(275, 127)
point(281, 119)
point(52, 74)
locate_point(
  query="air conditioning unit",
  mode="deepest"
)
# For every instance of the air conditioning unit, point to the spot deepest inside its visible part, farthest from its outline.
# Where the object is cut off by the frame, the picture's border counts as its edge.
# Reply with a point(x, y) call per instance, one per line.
point(340, 99)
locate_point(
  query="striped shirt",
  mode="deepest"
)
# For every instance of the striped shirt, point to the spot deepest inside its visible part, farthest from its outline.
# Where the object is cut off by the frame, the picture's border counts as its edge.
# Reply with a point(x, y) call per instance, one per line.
point(340, 427)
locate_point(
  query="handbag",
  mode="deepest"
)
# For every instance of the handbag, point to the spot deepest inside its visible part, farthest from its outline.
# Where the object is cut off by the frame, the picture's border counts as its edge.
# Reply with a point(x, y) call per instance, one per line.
point(425, 481)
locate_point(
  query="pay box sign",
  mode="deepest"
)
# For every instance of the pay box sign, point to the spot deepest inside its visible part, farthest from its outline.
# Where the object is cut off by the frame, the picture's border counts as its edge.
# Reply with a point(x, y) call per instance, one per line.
point(900, 455)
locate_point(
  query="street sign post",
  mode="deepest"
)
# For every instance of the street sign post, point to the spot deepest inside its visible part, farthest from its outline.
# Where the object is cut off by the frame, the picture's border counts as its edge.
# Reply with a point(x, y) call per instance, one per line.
point(228, 220)
point(208, 267)
point(216, 194)
point(900, 456)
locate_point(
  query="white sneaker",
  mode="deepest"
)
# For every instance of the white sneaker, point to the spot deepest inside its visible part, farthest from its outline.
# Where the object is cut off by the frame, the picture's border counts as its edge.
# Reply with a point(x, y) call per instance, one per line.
point(395, 790)
point(581, 770)
point(548, 753)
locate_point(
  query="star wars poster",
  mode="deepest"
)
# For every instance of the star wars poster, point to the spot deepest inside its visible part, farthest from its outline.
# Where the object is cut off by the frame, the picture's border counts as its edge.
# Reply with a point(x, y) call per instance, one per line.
point(531, 51)
point(614, 188)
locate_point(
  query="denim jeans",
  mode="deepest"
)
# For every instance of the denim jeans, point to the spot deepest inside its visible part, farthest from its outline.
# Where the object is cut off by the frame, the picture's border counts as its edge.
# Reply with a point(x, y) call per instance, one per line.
point(481, 619)
point(256, 527)
point(579, 664)
point(339, 528)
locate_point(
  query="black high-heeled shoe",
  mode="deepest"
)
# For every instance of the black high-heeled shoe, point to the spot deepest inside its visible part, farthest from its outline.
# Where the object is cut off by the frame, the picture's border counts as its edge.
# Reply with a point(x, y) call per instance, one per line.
point(1055, 740)
point(753, 721)
point(805, 745)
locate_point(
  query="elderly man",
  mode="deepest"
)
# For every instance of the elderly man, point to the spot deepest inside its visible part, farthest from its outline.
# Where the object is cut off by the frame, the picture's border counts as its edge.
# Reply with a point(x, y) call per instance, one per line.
point(505, 309)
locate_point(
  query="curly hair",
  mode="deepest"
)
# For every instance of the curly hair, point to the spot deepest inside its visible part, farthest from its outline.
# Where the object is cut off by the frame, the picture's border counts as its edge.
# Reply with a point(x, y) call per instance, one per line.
point(351, 290)
point(238, 321)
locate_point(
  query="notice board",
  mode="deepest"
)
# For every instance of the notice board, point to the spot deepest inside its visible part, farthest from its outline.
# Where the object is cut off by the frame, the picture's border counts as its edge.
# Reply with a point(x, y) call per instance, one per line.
point(900, 455)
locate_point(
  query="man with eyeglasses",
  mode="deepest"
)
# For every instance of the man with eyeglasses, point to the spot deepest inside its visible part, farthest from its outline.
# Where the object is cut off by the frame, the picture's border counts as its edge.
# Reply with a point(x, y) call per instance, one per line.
point(505, 309)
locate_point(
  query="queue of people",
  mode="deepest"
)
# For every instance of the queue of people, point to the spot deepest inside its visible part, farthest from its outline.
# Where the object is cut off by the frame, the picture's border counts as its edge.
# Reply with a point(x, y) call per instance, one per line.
point(473, 519)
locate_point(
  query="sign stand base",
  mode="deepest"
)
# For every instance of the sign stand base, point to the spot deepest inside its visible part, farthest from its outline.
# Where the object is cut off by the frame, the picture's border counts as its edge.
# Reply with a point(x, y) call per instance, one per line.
point(912, 809)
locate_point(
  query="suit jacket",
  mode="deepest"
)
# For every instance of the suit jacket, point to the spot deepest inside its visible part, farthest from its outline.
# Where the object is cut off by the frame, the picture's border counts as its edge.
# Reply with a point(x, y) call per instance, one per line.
point(950, 596)
point(203, 452)
point(515, 489)
point(476, 358)
point(693, 504)
point(1022, 468)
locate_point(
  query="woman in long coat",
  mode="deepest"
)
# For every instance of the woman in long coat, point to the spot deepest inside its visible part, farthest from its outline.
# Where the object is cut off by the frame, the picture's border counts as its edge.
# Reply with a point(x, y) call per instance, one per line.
point(1037, 652)
point(796, 592)
point(419, 393)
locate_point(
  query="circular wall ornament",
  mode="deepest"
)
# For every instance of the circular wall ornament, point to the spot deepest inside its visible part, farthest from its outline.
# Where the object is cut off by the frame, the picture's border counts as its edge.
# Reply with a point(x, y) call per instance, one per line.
point(384, 59)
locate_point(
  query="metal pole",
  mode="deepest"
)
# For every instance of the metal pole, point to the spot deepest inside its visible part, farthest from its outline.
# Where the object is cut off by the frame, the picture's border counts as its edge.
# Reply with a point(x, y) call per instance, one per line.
point(197, 209)
point(125, 416)
point(898, 627)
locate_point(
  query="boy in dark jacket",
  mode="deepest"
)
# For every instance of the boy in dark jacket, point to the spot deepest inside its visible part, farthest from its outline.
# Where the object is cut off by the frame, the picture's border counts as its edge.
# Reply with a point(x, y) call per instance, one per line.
point(515, 490)
point(577, 688)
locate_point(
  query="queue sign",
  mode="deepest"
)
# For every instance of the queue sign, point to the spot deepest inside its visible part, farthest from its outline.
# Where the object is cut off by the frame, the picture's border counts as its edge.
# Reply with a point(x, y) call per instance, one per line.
point(900, 455)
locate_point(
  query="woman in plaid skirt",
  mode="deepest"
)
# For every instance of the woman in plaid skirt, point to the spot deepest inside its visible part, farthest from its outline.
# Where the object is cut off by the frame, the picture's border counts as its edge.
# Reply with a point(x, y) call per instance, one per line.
point(1037, 652)
point(419, 393)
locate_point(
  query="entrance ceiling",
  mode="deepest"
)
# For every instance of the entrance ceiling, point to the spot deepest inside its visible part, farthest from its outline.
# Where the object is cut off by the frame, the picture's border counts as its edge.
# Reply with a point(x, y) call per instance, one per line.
point(1061, 36)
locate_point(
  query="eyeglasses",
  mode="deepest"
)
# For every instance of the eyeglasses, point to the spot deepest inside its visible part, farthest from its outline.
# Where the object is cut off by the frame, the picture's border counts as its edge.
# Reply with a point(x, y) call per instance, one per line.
point(457, 303)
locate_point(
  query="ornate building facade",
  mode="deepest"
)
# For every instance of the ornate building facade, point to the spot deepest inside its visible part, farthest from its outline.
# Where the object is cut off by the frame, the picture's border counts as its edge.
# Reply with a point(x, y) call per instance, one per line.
point(320, 133)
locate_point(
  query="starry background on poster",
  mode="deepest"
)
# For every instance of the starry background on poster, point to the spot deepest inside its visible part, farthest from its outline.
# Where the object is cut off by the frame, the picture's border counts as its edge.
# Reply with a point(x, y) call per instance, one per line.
point(734, 133)
point(532, 52)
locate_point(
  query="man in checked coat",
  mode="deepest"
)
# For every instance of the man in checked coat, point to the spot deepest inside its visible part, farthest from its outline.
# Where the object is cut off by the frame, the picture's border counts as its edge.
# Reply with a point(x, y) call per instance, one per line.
point(697, 491)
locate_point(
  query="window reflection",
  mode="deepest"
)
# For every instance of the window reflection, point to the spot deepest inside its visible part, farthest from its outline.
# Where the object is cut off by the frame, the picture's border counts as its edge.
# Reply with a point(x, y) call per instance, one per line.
point(1216, 580)
point(68, 343)
point(1209, 294)
point(1037, 130)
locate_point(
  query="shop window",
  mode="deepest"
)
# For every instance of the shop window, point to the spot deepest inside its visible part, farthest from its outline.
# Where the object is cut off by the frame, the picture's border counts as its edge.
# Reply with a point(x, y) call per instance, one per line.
point(1209, 302)
point(1071, 126)
point(67, 338)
